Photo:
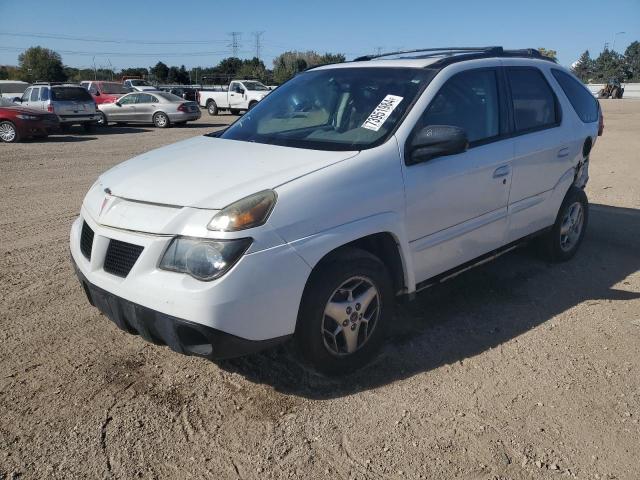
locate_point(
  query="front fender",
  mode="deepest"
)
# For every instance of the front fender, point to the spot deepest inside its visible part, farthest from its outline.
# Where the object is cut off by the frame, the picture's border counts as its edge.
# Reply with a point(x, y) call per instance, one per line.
point(314, 248)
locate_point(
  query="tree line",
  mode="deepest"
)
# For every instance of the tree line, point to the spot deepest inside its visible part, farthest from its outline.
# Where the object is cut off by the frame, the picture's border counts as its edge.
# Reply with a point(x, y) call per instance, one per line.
point(38, 63)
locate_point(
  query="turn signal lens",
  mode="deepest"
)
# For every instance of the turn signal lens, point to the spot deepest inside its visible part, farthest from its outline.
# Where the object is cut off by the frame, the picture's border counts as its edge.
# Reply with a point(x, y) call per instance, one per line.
point(249, 212)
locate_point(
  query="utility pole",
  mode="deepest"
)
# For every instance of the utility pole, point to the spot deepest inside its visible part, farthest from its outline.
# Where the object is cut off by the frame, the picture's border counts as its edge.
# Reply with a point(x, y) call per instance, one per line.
point(235, 43)
point(258, 42)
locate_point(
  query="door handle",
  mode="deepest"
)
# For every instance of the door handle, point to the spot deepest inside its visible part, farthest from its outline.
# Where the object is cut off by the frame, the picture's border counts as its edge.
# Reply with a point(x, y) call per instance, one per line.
point(563, 152)
point(501, 171)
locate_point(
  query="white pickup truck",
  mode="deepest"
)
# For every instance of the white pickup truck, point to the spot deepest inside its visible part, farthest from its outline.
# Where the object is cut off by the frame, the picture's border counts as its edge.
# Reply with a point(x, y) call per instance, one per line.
point(240, 95)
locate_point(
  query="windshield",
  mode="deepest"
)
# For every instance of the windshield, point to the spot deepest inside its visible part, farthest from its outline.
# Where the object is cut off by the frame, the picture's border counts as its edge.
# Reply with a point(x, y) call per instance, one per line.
point(114, 88)
point(255, 86)
point(78, 94)
point(333, 109)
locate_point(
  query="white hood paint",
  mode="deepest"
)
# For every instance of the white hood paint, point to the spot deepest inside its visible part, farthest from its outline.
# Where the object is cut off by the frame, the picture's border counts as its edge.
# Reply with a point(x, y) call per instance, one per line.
point(211, 173)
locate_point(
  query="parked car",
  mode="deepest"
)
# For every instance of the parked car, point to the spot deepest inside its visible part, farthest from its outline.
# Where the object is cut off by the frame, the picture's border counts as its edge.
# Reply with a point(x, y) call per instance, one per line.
point(349, 187)
point(70, 102)
point(160, 108)
point(138, 85)
point(240, 95)
point(187, 93)
point(105, 92)
point(12, 88)
point(18, 122)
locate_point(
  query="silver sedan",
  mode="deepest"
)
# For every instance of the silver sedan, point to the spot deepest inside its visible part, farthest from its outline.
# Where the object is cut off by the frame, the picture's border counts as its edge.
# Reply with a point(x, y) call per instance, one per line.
point(159, 108)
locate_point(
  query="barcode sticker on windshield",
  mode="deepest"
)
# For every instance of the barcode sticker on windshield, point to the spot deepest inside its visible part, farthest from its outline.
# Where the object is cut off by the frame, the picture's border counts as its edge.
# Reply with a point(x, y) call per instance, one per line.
point(382, 112)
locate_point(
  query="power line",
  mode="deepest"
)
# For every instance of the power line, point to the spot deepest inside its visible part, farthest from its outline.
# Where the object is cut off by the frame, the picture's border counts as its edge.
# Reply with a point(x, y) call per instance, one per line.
point(258, 38)
point(133, 54)
point(56, 36)
point(235, 43)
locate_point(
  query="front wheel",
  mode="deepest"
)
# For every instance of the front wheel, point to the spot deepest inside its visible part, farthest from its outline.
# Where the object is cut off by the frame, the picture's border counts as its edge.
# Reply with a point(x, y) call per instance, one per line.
point(161, 120)
point(347, 303)
point(8, 132)
point(563, 240)
point(102, 120)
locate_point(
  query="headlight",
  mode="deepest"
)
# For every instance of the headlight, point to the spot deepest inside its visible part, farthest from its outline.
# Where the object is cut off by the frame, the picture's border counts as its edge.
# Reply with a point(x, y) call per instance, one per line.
point(251, 211)
point(23, 116)
point(201, 258)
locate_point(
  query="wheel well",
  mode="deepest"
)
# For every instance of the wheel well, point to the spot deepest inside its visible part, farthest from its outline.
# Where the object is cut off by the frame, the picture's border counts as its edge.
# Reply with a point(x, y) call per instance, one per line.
point(384, 246)
point(253, 102)
point(586, 147)
point(210, 101)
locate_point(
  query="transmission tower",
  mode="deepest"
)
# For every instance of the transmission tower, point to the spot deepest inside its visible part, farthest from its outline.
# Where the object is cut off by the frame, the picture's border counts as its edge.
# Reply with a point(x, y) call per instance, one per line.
point(258, 43)
point(235, 43)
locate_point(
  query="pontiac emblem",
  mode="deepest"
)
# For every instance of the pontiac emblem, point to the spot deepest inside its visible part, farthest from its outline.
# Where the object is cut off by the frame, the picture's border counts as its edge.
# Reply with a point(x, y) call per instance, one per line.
point(107, 191)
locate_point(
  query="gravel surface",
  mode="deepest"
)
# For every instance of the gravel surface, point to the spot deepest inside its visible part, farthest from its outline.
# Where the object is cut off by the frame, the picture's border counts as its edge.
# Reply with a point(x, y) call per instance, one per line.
point(516, 369)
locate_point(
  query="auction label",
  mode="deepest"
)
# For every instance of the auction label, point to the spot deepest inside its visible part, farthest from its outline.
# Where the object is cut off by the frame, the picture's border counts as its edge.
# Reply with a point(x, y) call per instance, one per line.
point(382, 112)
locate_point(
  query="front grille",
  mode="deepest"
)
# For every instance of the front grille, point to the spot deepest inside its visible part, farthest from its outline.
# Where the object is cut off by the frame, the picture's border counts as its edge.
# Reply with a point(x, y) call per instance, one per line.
point(121, 257)
point(86, 240)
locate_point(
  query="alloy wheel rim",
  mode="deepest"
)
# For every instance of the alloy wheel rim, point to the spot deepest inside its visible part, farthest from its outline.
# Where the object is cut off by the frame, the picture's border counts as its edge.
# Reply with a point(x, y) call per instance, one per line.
point(7, 132)
point(571, 226)
point(161, 120)
point(350, 316)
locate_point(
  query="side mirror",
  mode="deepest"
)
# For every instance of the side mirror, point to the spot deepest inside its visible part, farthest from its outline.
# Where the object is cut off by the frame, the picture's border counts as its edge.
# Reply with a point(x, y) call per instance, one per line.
point(436, 141)
point(241, 91)
point(17, 99)
point(118, 103)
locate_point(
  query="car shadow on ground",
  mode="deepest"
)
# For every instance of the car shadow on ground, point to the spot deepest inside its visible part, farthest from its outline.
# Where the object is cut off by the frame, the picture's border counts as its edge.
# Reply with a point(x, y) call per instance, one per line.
point(120, 129)
point(62, 138)
point(474, 312)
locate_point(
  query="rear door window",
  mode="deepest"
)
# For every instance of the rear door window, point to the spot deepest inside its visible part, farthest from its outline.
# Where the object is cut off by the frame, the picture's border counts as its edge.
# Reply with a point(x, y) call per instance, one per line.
point(535, 106)
point(44, 94)
point(581, 99)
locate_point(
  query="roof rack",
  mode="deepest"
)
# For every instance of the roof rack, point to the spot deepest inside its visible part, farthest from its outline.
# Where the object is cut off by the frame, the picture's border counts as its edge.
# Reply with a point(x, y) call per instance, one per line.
point(462, 53)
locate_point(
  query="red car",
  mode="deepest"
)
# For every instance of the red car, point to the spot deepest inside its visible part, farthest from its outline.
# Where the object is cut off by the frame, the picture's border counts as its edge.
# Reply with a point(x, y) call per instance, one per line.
point(18, 122)
point(105, 92)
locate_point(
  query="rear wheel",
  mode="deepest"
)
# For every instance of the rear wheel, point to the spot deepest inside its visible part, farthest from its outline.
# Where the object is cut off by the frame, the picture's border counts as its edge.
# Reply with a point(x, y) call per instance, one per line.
point(252, 104)
point(563, 240)
point(212, 108)
point(347, 303)
point(161, 120)
point(102, 120)
point(9, 132)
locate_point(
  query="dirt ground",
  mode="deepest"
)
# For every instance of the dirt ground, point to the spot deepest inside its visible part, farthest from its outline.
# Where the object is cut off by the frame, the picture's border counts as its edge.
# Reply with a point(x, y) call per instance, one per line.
point(515, 370)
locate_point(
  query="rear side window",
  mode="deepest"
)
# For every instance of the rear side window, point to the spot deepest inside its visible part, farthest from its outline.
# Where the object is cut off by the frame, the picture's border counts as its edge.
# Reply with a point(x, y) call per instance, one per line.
point(44, 93)
point(468, 100)
point(35, 93)
point(534, 104)
point(582, 101)
point(77, 94)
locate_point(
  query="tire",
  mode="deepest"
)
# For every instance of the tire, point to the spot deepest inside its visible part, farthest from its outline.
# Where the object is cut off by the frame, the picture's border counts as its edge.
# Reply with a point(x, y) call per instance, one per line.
point(563, 240)
point(102, 120)
point(340, 346)
point(88, 127)
point(9, 132)
point(251, 105)
point(212, 108)
point(161, 120)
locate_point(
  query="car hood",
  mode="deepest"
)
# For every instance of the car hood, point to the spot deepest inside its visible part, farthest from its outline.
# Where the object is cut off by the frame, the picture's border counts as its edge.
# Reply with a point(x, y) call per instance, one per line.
point(207, 172)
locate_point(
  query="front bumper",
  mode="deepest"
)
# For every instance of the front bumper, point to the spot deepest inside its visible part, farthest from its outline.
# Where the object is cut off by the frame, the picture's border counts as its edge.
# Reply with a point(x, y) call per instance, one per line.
point(253, 306)
point(180, 335)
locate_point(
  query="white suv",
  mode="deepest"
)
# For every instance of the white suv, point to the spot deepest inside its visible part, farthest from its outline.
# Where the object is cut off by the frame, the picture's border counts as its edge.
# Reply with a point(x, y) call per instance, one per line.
point(349, 186)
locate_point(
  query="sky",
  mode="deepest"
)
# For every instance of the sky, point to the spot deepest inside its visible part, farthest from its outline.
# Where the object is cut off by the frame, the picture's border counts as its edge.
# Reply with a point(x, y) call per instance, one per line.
point(119, 34)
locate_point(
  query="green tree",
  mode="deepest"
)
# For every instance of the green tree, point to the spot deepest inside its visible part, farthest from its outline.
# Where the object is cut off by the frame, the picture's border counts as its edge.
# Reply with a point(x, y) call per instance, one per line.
point(608, 65)
point(253, 68)
point(160, 72)
point(632, 62)
point(229, 66)
point(183, 75)
point(38, 63)
point(141, 72)
point(288, 64)
point(4, 73)
point(583, 68)
point(548, 53)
